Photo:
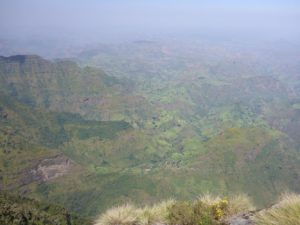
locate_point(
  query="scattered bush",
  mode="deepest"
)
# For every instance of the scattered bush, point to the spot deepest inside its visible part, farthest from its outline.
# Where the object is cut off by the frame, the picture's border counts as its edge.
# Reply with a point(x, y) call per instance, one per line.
point(186, 213)
point(286, 212)
point(217, 205)
point(181, 213)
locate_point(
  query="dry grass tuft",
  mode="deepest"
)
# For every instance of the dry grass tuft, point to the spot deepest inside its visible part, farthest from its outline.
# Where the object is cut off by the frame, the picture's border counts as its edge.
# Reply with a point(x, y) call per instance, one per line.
point(208, 199)
point(239, 204)
point(157, 214)
point(129, 215)
point(207, 209)
point(286, 212)
point(121, 215)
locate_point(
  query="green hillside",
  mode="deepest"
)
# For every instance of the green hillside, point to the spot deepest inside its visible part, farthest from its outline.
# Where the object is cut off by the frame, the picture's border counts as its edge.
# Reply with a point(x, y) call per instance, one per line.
point(171, 122)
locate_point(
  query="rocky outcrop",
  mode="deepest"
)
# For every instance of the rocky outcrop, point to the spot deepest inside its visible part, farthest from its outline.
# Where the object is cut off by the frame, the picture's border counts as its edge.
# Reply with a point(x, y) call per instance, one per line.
point(242, 219)
point(48, 169)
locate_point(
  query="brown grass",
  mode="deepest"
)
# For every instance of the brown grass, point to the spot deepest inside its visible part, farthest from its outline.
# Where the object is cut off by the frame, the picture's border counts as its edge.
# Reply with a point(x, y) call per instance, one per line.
point(286, 212)
point(239, 204)
point(156, 214)
point(206, 207)
point(121, 215)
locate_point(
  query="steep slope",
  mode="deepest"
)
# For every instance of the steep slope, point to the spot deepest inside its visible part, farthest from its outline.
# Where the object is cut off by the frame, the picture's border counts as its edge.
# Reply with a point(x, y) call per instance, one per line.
point(30, 141)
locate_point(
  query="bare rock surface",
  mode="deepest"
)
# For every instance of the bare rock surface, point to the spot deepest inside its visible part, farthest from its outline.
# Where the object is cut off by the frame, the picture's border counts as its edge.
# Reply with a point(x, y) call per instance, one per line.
point(242, 219)
point(48, 169)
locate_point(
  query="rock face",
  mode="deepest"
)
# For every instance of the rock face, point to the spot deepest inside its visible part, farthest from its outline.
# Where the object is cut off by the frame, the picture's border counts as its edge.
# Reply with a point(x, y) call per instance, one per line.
point(48, 169)
point(242, 219)
point(52, 168)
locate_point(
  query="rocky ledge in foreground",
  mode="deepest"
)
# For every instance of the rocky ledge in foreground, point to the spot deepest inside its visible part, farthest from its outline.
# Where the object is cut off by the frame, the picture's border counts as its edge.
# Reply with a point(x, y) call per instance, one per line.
point(242, 219)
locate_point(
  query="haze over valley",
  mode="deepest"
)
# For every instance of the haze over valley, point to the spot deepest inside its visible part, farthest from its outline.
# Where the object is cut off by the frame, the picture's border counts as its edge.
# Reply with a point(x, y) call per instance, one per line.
point(109, 103)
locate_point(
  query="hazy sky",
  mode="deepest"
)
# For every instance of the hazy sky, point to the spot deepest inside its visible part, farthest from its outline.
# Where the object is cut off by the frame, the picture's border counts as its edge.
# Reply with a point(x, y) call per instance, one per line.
point(90, 19)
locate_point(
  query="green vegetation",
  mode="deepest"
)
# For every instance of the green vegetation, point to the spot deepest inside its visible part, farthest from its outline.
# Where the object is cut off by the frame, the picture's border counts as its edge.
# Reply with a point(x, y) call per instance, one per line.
point(176, 120)
point(16, 210)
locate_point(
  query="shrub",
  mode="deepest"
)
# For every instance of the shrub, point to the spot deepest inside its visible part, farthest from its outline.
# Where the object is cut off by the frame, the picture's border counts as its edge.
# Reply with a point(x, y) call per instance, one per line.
point(287, 211)
point(206, 214)
point(186, 213)
point(217, 205)
point(180, 213)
